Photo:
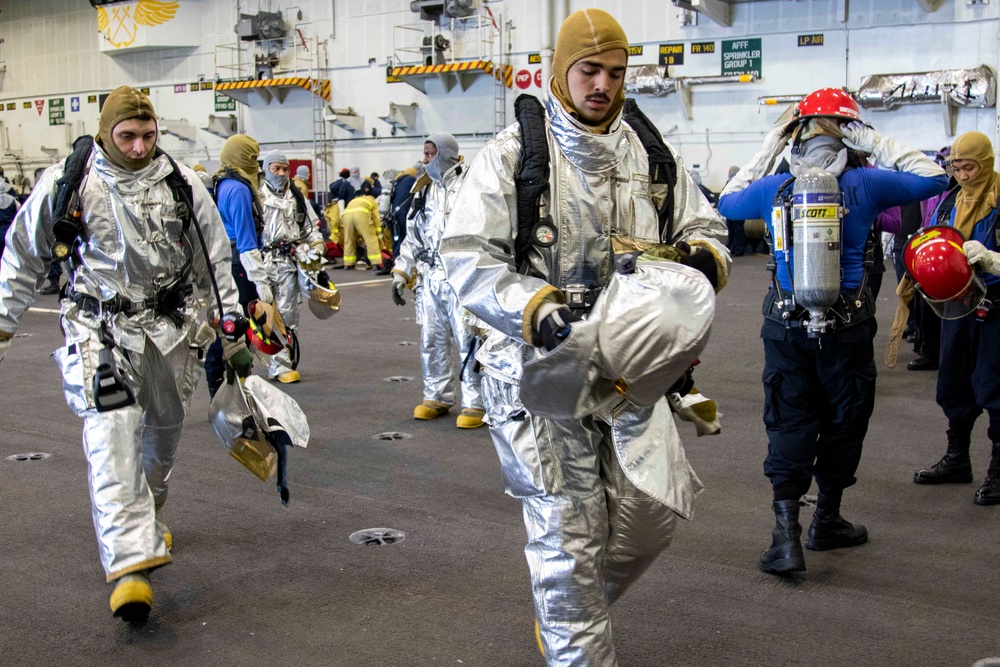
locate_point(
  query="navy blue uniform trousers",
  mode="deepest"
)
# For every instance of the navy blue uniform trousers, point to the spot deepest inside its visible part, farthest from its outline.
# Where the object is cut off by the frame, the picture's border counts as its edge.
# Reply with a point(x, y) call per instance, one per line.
point(969, 375)
point(819, 394)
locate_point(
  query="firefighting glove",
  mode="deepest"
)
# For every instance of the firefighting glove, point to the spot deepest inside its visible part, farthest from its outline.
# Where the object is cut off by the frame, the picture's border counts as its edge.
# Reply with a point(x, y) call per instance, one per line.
point(264, 293)
point(978, 255)
point(703, 260)
point(556, 327)
point(761, 163)
point(5, 339)
point(238, 358)
point(398, 285)
point(310, 257)
point(888, 153)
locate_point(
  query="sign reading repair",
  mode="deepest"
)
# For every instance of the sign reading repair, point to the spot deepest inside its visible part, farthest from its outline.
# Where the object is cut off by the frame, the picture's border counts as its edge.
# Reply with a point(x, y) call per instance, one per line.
point(671, 54)
point(741, 56)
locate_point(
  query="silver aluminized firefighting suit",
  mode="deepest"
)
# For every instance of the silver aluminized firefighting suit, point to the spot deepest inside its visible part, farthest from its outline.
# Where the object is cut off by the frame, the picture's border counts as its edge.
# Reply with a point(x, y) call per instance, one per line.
point(284, 230)
point(441, 318)
point(133, 245)
point(601, 494)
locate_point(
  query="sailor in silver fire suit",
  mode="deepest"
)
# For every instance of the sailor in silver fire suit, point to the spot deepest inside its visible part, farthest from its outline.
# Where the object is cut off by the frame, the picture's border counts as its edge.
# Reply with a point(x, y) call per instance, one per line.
point(133, 267)
point(290, 239)
point(441, 318)
point(601, 494)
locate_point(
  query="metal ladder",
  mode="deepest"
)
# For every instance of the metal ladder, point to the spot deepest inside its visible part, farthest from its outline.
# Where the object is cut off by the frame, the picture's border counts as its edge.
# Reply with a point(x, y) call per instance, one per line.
point(320, 143)
point(500, 63)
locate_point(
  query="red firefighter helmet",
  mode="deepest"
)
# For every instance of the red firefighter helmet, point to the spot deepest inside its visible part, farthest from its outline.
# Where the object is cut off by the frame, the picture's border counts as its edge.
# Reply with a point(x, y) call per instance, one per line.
point(266, 330)
point(934, 258)
point(828, 102)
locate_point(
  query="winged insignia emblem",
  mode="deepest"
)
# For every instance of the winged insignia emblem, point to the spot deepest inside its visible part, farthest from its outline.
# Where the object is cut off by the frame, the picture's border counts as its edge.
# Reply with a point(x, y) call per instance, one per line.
point(121, 24)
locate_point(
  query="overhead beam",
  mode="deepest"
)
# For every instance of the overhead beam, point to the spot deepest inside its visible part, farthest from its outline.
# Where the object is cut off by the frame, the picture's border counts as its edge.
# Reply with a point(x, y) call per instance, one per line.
point(930, 6)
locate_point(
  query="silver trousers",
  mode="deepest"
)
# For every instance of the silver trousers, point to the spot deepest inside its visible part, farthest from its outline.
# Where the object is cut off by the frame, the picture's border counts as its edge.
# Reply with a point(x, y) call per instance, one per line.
point(285, 281)
point(591, 532)
point(130, 451)
point(442, 329)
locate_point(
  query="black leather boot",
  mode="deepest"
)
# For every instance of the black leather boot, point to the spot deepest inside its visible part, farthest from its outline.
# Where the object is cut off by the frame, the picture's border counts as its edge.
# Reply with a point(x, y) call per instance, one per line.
point(785, 554)
point(955, 466)
point(829, 530)
point(989, 492)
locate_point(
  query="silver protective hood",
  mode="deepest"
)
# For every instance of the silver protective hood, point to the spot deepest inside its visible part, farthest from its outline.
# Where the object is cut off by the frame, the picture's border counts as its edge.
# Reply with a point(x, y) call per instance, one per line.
point(446, 158)
point(278, 183)
point(645, 330)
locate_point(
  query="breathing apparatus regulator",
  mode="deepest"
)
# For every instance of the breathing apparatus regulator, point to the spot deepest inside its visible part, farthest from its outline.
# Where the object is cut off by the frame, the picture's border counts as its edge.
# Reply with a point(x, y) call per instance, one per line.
point(935, 259)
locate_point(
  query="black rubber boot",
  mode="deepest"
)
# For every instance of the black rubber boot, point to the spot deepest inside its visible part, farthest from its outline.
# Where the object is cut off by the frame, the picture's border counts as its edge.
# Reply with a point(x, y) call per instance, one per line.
point(955, 466)
point(829, 530)
point(785, 555)
point(989, 492)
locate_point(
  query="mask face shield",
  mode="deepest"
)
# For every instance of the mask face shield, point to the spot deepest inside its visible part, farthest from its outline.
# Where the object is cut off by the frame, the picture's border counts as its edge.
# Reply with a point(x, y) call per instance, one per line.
point(933, 256)
point(957, 308)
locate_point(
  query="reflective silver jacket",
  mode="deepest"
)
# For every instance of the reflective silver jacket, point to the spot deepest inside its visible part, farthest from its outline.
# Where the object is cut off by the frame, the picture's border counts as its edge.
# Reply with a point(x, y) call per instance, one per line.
point(419, 254)
point(282, 220)
point(599, 187)
point(132, 245)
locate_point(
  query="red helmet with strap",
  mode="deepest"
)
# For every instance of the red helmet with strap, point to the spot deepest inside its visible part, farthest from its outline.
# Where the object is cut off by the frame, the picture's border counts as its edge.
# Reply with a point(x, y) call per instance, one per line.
point(934, 258)
point(830, 103)
point(266, 330)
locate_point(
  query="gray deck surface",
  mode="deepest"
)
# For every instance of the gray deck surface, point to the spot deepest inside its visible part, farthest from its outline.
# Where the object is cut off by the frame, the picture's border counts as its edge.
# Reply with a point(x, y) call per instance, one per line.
point(254, 583)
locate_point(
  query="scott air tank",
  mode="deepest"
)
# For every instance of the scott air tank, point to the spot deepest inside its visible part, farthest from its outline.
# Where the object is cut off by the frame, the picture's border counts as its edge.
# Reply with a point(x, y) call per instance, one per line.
point(816, 217)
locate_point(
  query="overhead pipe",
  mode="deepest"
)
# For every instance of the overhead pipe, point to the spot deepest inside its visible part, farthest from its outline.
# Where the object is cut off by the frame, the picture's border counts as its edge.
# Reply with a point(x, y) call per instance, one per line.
point(974, 88)
point(548, 41)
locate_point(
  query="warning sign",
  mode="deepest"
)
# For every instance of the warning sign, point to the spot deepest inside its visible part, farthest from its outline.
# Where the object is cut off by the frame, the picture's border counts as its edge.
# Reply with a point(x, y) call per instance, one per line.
point(741, 56)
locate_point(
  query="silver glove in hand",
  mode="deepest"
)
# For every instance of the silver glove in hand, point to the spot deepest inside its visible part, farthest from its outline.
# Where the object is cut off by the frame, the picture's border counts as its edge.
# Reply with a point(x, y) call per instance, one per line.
point(978, 255)
point(264, 293)
point(398, 285)
point(762, 162)
point(860, 137)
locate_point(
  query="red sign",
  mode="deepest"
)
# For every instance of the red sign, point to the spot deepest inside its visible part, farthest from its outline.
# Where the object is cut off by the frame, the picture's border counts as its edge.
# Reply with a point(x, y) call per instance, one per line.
point(180, 88)
point(523, 79)
point(538, 78)
point(40, 105)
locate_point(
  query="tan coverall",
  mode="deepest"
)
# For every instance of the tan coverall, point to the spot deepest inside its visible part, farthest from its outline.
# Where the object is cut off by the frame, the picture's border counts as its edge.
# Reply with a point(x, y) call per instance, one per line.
point(361, 218)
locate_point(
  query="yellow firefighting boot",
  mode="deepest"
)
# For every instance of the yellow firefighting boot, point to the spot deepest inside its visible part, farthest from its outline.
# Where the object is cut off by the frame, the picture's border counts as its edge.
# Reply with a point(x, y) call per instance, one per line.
point(289, 377)
point(165, 529)
point(470, 418)
point(132, 597)
point(430, 410)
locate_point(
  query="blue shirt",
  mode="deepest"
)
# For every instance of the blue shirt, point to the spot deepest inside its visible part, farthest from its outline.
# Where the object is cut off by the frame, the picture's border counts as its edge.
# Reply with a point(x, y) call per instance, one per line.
point(867, 192)
point(236, 208)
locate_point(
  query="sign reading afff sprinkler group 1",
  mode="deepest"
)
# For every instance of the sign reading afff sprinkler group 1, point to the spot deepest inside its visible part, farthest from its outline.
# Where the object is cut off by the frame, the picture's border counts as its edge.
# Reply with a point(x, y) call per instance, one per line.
point(741, 56)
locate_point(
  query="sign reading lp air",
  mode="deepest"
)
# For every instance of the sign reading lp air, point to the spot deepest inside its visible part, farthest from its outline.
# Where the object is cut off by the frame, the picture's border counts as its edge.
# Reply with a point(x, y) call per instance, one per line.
point(544, 234)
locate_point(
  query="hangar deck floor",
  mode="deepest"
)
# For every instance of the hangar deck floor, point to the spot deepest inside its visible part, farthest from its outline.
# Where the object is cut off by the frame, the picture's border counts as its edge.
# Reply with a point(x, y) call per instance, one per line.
point(254, 583)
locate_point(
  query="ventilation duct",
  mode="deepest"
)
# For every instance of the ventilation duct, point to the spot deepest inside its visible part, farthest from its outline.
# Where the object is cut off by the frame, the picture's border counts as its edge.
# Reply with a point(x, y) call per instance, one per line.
point(971, 88)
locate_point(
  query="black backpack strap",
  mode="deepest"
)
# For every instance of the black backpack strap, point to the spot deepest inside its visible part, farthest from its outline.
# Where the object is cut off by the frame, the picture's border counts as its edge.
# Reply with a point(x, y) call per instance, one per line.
point(68, 224)
point(532, 178)
point(662, 165)
point(300, 205)
point(181, 190)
